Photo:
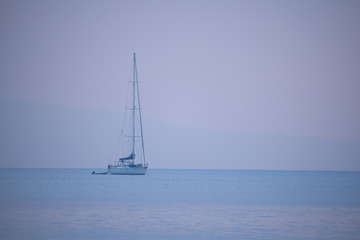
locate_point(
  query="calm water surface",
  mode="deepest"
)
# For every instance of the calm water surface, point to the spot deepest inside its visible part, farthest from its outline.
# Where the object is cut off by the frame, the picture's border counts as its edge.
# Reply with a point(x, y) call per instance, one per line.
point(179, 204)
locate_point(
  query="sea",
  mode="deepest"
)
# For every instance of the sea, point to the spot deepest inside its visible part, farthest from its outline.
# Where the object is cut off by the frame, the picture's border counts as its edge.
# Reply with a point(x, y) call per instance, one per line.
point(179, 204)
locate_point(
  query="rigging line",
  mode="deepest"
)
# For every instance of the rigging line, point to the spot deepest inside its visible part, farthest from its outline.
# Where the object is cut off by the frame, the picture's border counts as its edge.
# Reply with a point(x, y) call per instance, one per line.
point(127, 100)
point(113, 155)
point(140, 118)
point(134, 97)
point(125, 117)
point(119, 146)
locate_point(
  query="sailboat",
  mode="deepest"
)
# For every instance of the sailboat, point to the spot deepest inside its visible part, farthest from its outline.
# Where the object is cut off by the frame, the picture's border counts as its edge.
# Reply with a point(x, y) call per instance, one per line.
point(133, 160)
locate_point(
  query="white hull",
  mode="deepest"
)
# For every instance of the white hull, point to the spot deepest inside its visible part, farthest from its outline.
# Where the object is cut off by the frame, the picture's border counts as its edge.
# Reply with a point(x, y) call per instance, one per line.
point(122, 170)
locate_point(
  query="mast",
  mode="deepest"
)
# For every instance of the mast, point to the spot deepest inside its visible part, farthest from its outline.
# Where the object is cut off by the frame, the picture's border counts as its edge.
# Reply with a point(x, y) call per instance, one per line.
point(133, 113)
point(141, 128)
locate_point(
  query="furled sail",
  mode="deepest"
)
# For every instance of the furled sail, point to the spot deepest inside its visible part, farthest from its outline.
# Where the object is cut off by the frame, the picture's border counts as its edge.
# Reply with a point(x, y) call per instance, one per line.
point(130, 157)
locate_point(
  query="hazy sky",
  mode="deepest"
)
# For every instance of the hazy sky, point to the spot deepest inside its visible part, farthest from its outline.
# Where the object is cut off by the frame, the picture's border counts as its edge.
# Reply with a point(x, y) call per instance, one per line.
point(251, 67)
